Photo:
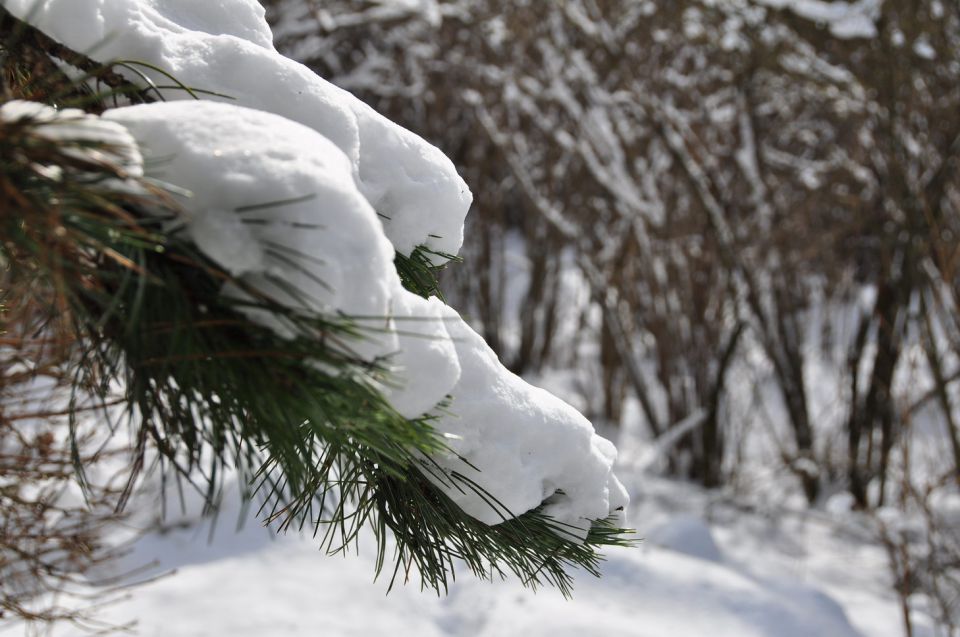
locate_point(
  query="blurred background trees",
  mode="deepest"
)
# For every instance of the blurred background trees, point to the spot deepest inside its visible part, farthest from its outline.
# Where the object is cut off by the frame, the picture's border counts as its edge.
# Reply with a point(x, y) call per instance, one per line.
point(56, 524)
point(737, 221)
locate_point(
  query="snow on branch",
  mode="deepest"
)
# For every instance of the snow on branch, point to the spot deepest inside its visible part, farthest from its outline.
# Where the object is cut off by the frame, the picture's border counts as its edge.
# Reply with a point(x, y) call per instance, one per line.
point(302, 194)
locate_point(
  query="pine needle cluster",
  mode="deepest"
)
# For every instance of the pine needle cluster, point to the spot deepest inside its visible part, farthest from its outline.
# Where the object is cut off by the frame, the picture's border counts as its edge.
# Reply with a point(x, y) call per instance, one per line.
point(205, 391)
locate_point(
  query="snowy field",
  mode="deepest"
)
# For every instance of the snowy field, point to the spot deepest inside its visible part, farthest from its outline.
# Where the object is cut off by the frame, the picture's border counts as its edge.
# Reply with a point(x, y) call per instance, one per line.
point(706, 567)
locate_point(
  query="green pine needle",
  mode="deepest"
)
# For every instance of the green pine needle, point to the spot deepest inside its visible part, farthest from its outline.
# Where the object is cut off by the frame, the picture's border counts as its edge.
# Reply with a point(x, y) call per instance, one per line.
point(418, 272)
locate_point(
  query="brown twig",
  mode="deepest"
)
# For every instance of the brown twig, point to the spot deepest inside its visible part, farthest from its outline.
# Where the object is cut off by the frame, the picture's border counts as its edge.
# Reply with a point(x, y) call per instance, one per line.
point(19, 35)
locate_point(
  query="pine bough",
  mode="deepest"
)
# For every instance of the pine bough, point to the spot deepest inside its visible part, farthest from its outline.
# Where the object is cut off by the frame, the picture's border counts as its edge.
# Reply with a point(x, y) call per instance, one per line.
point(256, 270)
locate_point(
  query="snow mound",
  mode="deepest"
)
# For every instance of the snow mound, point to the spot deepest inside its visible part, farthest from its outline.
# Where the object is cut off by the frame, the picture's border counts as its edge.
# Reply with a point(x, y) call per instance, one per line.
point(223, 50)
point(687, 534)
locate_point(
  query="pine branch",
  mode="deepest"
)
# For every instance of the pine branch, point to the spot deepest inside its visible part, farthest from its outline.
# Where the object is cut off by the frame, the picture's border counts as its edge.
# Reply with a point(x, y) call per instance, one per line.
point(299, 419)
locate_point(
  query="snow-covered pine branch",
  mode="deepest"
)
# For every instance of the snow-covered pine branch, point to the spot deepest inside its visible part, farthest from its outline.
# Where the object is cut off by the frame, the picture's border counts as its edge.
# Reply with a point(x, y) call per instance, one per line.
point(300, 195)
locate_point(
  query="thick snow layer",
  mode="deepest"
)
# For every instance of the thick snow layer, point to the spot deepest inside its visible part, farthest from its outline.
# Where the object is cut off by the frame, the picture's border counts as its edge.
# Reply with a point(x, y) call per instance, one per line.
point(539, 447)
point(225, 47)
point(316, 235)
point(274, 203)
point(426, 355)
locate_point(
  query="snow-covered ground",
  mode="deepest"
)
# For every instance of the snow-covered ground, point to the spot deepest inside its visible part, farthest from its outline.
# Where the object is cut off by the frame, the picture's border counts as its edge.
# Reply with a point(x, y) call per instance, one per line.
point(707, 566)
